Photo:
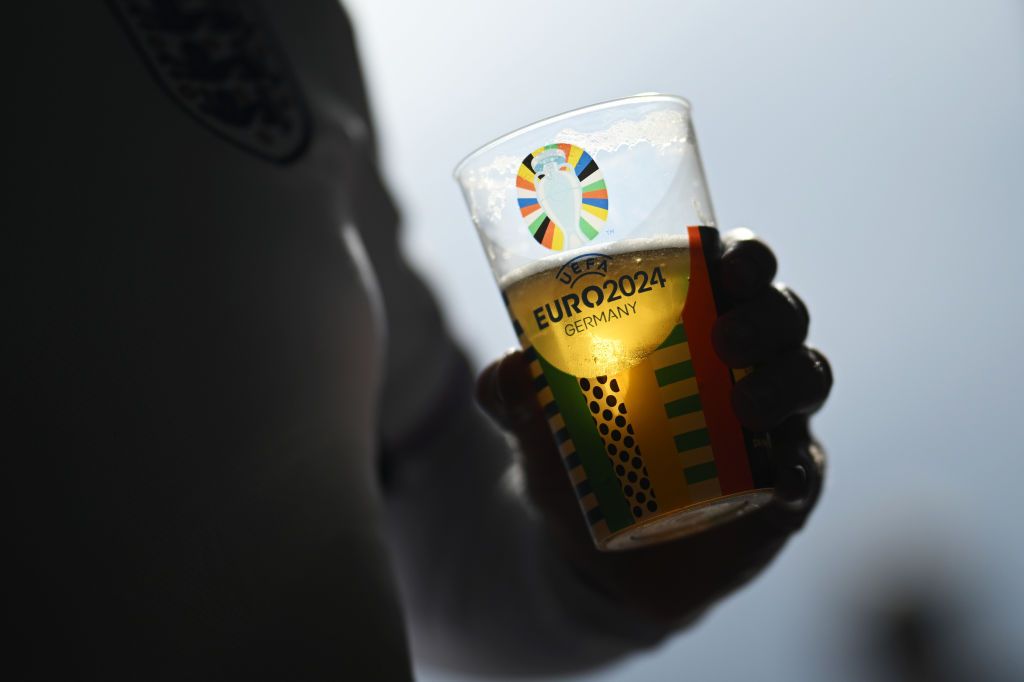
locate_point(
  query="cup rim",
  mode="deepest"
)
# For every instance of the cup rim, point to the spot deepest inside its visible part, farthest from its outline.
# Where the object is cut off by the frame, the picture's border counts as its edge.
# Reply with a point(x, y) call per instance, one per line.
point(641, 97)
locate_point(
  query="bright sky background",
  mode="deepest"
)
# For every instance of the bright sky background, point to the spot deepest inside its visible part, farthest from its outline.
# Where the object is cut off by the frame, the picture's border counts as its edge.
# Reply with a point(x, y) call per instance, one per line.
point(878, 147)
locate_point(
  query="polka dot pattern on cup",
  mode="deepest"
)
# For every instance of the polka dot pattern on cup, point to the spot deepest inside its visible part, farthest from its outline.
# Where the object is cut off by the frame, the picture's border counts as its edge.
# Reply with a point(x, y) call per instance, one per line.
point(611, 416)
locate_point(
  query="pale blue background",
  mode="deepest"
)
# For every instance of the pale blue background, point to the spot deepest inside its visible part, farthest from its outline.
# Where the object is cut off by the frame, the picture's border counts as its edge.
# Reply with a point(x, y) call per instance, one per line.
point(878, 147)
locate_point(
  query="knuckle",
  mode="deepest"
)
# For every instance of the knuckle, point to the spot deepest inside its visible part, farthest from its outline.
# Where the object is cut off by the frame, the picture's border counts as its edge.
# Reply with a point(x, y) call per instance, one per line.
point(822, 369)
point(796, 308)
point(747, 266)
point(485, 389)
point(753, 250)
point(738, 236)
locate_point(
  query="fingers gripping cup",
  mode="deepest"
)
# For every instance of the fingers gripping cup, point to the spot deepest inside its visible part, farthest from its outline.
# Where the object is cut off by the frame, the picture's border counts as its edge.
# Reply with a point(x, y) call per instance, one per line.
point(599, 229)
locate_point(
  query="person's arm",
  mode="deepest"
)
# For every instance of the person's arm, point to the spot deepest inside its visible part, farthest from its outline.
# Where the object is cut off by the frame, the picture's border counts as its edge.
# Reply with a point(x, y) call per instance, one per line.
point(482, 586)
point(482, 589)
point(498, 571)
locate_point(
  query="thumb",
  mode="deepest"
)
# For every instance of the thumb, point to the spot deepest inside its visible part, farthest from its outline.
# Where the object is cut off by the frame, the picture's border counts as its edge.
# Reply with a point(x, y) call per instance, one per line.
point(505, 390)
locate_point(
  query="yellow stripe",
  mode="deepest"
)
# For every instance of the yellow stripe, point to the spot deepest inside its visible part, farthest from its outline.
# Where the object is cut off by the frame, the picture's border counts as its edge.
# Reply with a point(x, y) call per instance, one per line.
point(705, 490)
point(653, 435)
point(588, 501)
point(679, 389)
point(545, 395)
point(692, 457)
point(577, 475)
point(556, 422)
point(558, 240)
point(525, 173)
point(672, 355)
point(600, 530)
point(596, 210)
point(574, 156)
point(567, 448)
point(687, 422)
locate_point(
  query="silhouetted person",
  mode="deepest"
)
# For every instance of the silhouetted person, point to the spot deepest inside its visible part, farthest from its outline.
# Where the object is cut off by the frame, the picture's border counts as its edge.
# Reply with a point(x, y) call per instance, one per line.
point(240, 430)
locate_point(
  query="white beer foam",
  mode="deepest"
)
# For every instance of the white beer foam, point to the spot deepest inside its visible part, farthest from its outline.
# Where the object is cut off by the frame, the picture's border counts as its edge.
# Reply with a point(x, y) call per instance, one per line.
point(555, 261)
point(665, 131)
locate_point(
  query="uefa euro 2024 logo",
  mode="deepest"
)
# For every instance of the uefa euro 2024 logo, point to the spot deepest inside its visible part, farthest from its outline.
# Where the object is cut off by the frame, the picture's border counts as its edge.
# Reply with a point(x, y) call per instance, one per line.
point(562, 196)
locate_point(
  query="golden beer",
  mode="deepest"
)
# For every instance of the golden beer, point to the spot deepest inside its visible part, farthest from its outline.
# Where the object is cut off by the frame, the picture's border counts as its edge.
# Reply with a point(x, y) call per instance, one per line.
point(615, 375)
point(602, 313)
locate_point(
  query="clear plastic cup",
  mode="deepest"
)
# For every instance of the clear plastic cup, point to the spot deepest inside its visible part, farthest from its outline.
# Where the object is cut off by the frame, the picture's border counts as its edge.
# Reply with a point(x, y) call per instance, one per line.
point(599, 229)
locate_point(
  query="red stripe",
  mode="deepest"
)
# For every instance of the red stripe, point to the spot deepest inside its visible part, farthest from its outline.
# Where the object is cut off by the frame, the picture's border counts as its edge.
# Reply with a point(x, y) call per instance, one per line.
point(529, 208)
point(713, 377)
point(523, 182)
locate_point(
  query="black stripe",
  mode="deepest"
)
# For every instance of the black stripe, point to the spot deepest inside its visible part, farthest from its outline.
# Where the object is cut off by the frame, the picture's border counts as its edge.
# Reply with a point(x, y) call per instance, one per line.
point(562, 435)
point(539, 234)
point(539, 382)
point(583, 488)
point(518, 327)
point(530, 354)
point(712, 247)
point(591, 167)
point(551, 409)
point(572, 461)
point(504, 297)
point(595, 515)
point(528, 161)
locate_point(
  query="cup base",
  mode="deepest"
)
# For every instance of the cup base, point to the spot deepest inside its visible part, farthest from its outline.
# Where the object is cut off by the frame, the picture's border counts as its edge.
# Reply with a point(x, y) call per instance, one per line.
point(688, 520)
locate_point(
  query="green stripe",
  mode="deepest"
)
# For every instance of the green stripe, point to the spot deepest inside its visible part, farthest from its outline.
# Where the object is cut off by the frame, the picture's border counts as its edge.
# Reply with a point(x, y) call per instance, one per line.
point(692, 439)
point(700, 472)
point(687, 405)
point(673, 373)
point(587, 229)
point(589, 446)
point(594, 186)
point(676, 336)
point(535, 225)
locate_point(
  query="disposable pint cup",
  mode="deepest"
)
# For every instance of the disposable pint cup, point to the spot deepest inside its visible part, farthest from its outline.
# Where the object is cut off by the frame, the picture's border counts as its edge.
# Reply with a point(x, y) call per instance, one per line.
point(600, 232)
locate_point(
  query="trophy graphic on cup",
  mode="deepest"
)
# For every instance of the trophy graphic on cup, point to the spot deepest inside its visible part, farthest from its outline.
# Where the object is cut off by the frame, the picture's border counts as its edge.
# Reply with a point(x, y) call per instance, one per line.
point(562, 196)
